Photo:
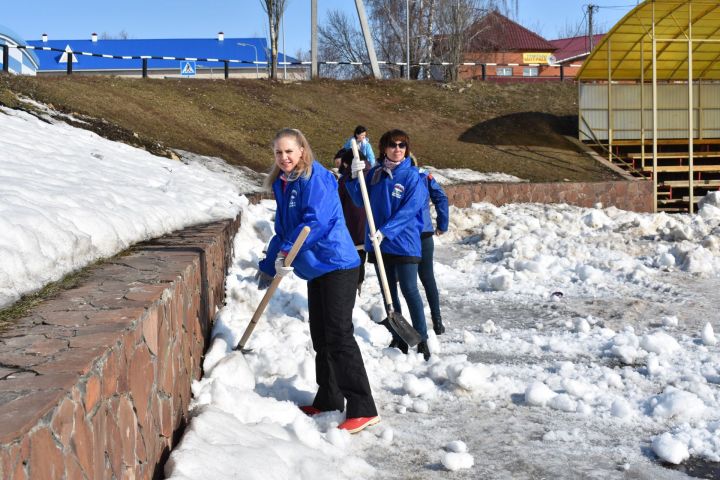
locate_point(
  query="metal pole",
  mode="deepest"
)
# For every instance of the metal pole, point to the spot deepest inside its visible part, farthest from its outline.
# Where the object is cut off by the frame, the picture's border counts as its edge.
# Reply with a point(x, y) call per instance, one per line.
point(313, 40)
point(144, 68)
point(227, 69)
point(484, 71)
point(257, 71)
point(609, 100)
point(562, 73)
point(407, 39)
point(6, 59)
point(691, 113)
point(642, 103)
point(368, 39)
point(69, 62)
point(284, 52)
point(654, 106)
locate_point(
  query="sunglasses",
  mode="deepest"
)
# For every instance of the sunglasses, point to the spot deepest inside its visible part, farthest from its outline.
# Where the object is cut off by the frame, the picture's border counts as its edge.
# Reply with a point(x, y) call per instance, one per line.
point(397, 145)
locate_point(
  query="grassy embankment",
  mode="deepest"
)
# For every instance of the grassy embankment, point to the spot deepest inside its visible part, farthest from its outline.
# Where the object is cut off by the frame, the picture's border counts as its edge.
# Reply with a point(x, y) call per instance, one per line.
point(513, 128)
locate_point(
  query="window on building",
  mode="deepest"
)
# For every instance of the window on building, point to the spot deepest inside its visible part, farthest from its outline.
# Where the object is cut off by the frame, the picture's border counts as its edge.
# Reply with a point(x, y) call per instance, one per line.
point(504, 71)
point(530, 71)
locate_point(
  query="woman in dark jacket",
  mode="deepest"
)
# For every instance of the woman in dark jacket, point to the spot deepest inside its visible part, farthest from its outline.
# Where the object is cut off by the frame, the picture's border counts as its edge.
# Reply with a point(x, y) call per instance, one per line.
point(355, 217)
point(397, 198)
point(306, 195)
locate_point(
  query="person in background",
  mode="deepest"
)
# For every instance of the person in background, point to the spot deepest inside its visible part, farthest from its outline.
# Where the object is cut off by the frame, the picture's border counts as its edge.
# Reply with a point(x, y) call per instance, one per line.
point(363, 142)
point(355, 218)
point(306, 195)
point(397, 197)
point(426, 273)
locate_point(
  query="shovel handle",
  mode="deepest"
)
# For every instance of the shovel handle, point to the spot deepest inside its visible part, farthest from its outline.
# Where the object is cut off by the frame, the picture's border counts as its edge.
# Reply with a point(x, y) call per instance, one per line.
point(273, 286)
point(371, 226)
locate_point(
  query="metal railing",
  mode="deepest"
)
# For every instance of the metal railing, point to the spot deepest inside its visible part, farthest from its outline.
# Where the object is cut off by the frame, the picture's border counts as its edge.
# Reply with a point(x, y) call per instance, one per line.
point(227, 62)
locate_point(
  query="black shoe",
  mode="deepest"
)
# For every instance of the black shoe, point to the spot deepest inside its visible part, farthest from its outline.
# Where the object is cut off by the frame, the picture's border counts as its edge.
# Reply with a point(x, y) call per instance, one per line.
point(423, 348)
point(399, 344)
point(438, 327)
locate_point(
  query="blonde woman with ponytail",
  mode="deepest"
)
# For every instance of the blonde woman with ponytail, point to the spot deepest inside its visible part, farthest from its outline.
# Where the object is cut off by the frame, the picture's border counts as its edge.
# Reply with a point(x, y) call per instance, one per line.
point(306, 195)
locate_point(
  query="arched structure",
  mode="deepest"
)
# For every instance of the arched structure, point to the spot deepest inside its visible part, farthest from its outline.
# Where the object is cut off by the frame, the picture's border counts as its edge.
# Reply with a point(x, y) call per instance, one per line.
point(20, 61)
point(654, 79)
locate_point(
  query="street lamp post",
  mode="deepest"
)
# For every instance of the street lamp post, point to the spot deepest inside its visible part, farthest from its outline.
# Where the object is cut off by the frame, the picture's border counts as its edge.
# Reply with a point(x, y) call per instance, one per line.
point(257, 71)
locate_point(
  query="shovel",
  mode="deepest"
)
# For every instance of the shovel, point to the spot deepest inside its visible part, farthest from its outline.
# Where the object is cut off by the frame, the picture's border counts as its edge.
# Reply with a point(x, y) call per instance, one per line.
point(271, 289)
point(395, 321)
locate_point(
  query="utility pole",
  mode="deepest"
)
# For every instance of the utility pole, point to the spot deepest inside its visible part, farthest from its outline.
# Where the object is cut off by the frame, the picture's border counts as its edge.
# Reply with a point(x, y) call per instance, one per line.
point(313, 40)
point(368, 38)
point(407, 39)
point(591, 9)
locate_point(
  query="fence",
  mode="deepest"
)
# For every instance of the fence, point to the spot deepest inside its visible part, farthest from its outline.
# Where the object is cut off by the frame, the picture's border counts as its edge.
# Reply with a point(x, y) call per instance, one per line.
point(558, 71)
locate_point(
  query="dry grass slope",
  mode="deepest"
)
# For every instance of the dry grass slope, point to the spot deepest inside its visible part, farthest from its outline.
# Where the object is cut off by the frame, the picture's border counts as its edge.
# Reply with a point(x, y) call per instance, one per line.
point(513, 128)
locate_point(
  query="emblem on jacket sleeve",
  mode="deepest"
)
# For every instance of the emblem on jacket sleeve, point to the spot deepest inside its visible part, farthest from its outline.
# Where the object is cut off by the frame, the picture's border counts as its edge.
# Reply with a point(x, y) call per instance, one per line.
point(398, 191)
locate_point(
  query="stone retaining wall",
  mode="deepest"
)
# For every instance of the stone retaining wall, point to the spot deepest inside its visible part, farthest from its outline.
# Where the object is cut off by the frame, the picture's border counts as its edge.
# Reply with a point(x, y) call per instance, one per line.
point(636, 196)
point(96, 382)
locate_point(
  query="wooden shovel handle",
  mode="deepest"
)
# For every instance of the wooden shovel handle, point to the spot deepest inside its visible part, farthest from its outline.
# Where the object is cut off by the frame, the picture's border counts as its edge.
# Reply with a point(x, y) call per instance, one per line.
point(273, 286)
point(371, 226)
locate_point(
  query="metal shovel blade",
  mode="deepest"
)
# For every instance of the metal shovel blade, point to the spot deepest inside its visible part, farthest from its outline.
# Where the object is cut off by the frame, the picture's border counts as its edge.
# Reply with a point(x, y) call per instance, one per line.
point(403, 329)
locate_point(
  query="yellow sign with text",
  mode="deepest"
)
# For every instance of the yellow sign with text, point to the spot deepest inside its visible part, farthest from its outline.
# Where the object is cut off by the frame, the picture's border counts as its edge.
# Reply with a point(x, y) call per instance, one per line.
point(536, 57)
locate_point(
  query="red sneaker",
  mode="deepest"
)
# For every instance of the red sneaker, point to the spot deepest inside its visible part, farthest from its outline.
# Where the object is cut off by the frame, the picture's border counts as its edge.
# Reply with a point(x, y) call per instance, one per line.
point(354, 425)
point(309, 410)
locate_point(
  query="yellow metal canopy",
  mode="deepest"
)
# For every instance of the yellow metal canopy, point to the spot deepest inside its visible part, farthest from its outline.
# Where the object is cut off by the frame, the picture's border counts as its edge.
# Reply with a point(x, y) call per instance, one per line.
point(628, 46)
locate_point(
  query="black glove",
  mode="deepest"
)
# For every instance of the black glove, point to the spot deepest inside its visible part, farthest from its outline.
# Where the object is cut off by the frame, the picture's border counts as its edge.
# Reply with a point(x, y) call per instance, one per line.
point(264, 280)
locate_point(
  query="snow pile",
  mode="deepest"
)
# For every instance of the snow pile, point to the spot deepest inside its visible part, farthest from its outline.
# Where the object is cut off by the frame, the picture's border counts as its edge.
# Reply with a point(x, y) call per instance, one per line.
point(449, 176)
point(69, 197)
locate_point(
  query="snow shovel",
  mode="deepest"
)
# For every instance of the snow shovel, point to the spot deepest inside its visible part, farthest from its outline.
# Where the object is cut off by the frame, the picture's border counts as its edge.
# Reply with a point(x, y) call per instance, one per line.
point(271, 289)
point(394, 320)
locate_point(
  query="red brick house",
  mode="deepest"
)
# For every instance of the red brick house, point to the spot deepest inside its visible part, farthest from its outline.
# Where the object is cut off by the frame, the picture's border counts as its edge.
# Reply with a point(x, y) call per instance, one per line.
point(508, 49)
point(571, 52)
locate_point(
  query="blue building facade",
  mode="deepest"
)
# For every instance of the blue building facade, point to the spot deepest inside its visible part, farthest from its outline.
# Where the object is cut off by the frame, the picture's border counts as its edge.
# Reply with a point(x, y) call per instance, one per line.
point(20, 61)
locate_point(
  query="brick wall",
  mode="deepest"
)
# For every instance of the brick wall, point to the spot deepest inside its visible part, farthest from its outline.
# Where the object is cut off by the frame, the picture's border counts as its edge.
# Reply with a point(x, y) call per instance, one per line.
point(636, 196)
point(96, 382)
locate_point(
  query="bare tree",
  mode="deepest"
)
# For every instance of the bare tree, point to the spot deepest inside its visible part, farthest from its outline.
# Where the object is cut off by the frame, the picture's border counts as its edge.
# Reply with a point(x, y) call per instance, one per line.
point(458, 25)
point(121, 35)
point(341, 40)
point(274, 10)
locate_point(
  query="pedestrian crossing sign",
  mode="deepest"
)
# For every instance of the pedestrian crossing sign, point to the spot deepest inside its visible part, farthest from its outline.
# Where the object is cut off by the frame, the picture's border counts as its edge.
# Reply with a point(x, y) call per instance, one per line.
point(187, 69)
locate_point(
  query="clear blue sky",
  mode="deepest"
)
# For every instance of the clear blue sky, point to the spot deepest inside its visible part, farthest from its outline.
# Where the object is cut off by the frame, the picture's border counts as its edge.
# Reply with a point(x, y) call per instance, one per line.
point(73, 19)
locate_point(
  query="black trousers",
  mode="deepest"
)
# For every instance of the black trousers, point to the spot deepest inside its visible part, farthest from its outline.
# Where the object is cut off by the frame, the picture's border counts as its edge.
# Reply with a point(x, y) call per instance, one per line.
point(339, 368)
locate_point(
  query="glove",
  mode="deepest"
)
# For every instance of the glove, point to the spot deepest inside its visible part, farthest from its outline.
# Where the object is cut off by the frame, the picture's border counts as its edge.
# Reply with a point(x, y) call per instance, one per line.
point(356, 166)
point(264, 280)
point(280, 268)
point(378, 236)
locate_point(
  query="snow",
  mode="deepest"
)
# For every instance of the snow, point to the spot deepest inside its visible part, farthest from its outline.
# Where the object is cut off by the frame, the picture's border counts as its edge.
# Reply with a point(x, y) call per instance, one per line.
point(579, 343)
point(69, 197)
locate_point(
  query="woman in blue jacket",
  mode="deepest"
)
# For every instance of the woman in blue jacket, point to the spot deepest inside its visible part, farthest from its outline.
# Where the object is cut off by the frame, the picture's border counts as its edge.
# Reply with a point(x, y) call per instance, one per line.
point(363, 142)
point(306, 195)
point(397, 198)
point(425, 271)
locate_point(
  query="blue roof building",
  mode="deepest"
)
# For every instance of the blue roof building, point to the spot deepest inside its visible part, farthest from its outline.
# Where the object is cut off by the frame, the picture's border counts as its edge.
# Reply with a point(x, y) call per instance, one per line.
point(20, 61)
point(123, 56)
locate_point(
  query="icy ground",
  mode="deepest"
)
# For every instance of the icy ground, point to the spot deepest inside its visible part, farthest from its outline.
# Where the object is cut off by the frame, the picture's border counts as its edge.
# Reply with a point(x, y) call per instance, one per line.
point(578, 346)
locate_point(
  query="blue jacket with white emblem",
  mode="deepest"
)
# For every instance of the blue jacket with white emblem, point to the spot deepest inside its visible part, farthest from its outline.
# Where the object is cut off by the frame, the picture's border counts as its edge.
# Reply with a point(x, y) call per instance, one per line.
point(311, 201)
point(397, 203)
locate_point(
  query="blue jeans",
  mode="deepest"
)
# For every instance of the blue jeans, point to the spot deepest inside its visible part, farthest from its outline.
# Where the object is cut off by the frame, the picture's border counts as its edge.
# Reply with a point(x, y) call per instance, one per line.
point(407, 274)
point(427, 277)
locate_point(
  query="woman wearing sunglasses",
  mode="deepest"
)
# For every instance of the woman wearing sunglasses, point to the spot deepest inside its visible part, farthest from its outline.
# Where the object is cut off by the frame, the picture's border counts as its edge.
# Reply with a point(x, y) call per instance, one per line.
point(397, 198)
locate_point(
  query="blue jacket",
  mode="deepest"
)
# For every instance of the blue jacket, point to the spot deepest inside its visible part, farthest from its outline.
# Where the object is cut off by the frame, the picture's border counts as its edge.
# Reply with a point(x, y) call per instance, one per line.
point(439, 199)
point(397, 204)
point(364, 147)
point(314, 202)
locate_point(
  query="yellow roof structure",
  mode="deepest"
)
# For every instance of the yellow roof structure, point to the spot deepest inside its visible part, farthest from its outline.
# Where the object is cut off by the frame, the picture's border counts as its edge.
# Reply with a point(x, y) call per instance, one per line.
point(629, 44)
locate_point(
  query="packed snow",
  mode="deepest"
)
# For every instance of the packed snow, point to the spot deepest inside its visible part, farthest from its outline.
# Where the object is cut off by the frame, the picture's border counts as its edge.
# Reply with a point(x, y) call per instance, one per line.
point(572, 350)
point(580, 341)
